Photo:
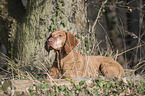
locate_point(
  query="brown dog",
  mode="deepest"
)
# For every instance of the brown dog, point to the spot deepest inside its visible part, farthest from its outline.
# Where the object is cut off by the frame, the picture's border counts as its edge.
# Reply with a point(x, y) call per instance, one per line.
point(69, 64)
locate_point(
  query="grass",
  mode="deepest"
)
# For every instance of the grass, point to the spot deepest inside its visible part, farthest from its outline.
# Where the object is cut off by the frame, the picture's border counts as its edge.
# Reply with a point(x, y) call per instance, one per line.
point(98, 87)
point(129, 85)
point(36, 63)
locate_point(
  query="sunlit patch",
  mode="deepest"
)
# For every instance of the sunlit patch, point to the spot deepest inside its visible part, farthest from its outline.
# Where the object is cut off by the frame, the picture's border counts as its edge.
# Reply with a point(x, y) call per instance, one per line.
point(59, 42)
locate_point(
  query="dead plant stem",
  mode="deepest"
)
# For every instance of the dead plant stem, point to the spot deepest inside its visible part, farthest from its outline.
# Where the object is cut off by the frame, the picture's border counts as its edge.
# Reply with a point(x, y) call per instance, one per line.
point(98, 16)
point(131, 49)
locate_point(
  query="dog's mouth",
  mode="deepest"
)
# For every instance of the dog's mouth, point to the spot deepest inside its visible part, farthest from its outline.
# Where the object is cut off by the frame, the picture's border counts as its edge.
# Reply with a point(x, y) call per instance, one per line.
point(48, 46)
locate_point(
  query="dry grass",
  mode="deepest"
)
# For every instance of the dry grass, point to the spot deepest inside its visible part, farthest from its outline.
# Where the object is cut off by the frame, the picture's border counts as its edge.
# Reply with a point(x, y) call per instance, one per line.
point(36, 64)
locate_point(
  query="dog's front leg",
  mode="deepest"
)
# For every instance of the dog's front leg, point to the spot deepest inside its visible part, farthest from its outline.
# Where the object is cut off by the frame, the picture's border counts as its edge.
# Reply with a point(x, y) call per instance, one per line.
point(54, 72)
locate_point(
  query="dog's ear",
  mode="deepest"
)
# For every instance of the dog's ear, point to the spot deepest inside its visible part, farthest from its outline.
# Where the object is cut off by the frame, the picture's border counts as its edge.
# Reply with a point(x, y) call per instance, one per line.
point(70, 43)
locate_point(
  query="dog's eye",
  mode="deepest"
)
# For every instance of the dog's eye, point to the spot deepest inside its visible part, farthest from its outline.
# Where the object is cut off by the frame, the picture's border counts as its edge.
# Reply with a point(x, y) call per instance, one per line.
point(60, 35)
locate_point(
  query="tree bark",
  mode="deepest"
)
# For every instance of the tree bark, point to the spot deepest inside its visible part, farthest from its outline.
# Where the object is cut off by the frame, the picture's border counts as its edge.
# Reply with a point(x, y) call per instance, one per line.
point(42, 17)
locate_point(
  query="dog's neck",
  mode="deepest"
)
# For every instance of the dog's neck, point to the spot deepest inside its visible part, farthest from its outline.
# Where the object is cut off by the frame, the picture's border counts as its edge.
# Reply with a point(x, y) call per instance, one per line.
point(62, 53)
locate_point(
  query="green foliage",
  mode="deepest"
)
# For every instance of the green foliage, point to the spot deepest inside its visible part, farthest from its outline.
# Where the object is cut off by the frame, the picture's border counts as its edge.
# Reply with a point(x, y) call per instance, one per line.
point(29, 39)
point(99, 87)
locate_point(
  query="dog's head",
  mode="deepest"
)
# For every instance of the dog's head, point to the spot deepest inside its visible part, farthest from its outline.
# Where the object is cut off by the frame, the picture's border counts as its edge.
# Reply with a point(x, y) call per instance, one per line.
point(61, 39)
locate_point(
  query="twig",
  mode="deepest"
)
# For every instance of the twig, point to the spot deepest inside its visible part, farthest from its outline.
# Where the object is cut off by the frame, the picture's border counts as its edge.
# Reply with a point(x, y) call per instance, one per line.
point(136, 69)
point(131, 49)
point(98, 16)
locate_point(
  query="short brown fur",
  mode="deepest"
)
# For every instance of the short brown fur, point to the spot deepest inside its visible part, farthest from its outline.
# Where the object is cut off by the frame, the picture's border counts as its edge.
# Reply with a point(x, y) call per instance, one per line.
point(69, 64)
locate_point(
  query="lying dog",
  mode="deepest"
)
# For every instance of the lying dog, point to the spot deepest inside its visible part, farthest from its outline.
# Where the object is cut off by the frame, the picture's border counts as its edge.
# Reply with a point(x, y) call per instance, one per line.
point(69, 64)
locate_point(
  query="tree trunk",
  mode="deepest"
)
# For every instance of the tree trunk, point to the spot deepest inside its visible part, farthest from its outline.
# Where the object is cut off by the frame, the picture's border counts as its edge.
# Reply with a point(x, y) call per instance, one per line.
point(42, 17)
point(3, 34)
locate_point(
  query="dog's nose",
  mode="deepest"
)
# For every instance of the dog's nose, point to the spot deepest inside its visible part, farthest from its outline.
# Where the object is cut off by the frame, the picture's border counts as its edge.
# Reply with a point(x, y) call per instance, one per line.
point(50, 41)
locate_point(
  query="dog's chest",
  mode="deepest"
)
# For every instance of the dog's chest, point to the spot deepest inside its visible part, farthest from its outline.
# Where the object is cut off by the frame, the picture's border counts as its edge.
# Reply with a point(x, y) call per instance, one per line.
point(73, 65)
